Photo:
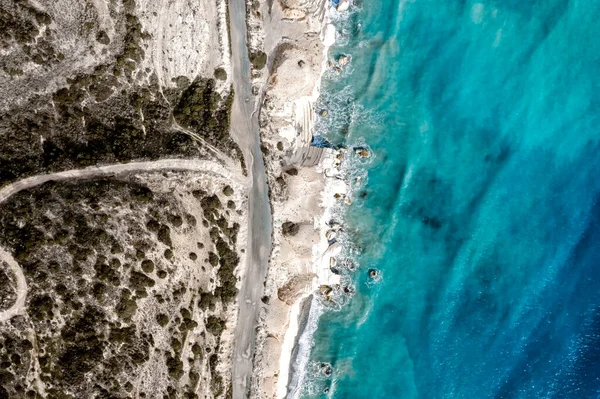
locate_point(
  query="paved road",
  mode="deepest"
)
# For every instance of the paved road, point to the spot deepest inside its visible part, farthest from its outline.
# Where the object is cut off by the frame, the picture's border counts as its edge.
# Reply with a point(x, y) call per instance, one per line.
point(244, 127)
point(92, 172)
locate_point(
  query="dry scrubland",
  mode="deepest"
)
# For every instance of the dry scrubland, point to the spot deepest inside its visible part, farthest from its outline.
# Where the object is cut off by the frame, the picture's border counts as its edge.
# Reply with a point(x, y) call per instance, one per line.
point(82, 85)
point(130, 280)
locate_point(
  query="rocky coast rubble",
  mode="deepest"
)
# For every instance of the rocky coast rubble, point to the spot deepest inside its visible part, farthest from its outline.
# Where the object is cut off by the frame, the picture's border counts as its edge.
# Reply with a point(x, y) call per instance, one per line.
point(288, 43)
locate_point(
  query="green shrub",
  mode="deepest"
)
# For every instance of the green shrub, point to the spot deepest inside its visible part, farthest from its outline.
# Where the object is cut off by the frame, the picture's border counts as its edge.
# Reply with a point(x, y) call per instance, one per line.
point(258, 59)
point(164, 235)
point(228, 191)
point(215, 325)
point(220, 74)
point(162, 319)
point(147, 266)
point(290, 228)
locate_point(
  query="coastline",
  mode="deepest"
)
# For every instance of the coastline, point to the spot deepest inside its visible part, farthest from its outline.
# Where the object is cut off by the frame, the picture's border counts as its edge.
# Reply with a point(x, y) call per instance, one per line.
point(303, 181)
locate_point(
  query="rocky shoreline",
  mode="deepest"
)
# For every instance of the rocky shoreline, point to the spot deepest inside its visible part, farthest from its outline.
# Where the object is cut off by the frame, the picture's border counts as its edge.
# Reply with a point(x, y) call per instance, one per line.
point(304, 188)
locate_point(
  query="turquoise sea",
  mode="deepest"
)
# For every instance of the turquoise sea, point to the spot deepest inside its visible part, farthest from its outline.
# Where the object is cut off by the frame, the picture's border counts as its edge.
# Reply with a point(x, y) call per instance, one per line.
point(480, 209)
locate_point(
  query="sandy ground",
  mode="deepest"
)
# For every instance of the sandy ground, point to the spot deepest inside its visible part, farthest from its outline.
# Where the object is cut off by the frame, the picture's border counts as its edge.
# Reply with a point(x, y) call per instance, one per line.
point(188, 38)
point(184, 42)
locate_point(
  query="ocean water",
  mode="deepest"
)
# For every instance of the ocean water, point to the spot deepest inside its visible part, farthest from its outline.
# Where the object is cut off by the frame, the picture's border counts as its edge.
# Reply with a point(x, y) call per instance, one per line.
point(480, 206)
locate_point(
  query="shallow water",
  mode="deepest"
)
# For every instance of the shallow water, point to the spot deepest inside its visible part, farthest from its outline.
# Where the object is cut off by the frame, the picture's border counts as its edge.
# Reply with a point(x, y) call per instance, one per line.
point(481, 209)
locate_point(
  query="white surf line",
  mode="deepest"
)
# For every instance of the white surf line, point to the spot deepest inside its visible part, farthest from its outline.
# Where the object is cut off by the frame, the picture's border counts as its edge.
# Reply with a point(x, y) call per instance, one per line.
point(92, 172)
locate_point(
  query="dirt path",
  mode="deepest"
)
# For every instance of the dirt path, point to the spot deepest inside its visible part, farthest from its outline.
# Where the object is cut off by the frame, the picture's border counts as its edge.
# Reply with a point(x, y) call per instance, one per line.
point(17, 307)
point(245, 120)
point(210, 167)
point(218, 154)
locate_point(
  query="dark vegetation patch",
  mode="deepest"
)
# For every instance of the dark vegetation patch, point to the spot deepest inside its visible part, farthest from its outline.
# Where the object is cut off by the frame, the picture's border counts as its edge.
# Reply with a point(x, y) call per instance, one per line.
point(92, 352)
point(228, 191)
point(202, 110)
point(290, 228)
point(8, 293)
point(21, 26)
point(220, 74)
point(106, 115)
point(258, 59)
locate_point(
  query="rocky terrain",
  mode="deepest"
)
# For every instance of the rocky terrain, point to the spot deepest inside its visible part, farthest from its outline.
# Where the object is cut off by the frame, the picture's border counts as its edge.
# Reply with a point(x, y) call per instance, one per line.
point(118, 265)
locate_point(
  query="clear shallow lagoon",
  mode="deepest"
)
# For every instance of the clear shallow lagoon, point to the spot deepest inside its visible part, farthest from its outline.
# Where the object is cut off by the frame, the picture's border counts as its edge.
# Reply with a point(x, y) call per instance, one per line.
point(482, 208)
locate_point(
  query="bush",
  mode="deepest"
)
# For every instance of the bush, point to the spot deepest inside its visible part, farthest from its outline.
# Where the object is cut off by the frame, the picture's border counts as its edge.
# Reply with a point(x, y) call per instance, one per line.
point(175, 367)
point(213, 259)
point(290, 228)
point(175, 220)
point(220, 74)
point(153, 225)
point(228, 191)
point(147, 266)
point(215, 325)
point(258, 59)
point(162, 319)
point(164, 235)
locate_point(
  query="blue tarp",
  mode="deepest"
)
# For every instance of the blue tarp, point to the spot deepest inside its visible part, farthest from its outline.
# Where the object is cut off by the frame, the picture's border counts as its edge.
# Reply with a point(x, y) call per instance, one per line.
point(335, 2)
point(320, 142)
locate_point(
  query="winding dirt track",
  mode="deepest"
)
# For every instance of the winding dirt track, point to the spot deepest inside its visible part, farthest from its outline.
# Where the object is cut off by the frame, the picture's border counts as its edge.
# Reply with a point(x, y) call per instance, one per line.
point(210, 167)
point(18, 306)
